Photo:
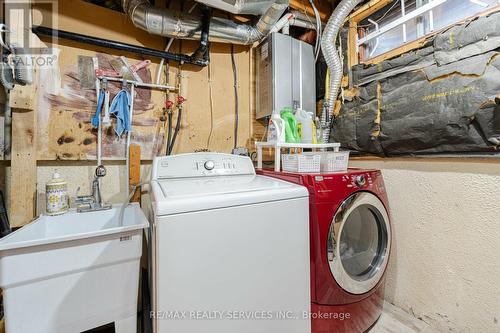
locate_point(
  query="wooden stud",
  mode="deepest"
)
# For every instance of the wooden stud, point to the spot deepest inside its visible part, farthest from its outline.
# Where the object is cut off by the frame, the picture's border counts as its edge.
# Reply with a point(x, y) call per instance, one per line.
point(135, 171)
point(22, 99)
point(352, 38)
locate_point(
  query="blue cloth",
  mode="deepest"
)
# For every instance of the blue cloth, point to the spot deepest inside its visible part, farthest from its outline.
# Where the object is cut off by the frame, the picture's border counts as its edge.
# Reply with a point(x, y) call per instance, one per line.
point(97, 115)
point(120, 108)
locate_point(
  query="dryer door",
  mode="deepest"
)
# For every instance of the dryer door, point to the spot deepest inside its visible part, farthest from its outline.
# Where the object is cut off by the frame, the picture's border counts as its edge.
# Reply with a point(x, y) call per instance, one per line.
point(359, 242)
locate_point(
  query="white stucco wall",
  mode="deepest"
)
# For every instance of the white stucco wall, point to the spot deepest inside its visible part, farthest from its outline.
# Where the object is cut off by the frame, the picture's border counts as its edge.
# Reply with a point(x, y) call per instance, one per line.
point(445, 264)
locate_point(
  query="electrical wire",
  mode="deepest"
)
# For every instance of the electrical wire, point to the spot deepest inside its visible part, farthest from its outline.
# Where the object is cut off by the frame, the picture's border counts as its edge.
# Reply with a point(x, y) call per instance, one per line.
point(319, 31)
point(382, 17)
point(176, 130)
point(236, 116)
point(211, 105)
point(169, 131)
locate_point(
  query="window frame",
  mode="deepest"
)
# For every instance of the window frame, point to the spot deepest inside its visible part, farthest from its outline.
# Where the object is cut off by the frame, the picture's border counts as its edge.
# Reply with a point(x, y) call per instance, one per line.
point(372, 7)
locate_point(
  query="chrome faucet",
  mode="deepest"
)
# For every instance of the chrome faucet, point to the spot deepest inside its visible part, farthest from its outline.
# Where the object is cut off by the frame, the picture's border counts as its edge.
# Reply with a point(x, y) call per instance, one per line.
point(91, 203)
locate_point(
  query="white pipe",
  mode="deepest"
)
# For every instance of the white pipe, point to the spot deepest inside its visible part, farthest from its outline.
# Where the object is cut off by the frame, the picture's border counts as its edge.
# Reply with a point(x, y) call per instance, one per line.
point(376, 39)
point(95, 62)
point(162, 61)
point(403, 13)
point(139, 84)
point(127, 153)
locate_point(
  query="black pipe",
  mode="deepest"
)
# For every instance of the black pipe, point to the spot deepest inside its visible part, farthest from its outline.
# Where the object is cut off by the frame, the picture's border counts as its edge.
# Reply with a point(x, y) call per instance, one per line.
point(202, 52)
point(182, 58)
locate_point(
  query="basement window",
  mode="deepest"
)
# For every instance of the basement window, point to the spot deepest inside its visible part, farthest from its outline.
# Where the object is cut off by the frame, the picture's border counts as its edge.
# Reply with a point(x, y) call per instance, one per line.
point(402, 22)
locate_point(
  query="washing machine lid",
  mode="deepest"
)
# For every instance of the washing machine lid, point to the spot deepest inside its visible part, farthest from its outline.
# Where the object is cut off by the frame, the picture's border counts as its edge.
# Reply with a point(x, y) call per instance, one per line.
point(173, 196)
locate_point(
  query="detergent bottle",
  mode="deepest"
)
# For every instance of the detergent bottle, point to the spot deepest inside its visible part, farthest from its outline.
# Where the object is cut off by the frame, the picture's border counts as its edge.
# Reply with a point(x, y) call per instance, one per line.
point(291, 133)
point(305, 125)
point(276, 129)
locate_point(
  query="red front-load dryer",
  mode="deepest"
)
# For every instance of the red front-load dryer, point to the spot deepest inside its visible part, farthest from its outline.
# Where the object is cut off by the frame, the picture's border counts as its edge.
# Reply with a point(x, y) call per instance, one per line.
point(350, 234)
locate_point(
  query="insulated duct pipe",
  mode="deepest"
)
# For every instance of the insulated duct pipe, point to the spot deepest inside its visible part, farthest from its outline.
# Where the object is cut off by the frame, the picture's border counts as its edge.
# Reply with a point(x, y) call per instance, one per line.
point(333, 60)
point(173, 24)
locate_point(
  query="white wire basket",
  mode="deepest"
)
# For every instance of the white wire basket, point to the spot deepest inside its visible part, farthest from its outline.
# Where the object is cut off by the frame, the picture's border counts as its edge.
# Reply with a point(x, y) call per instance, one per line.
point(334, 161)
point(305, 162)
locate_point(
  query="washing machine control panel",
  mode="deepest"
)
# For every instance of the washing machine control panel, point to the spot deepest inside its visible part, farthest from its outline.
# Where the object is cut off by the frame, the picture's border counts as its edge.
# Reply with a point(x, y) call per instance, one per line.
point(201, 165)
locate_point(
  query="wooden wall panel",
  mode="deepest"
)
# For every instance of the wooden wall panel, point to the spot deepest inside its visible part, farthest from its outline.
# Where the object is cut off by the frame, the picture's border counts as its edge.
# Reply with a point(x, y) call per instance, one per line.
point(64, 129)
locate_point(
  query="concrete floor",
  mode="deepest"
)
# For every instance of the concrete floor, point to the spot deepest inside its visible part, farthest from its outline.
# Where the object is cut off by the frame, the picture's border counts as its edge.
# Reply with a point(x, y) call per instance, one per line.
point(395, 320)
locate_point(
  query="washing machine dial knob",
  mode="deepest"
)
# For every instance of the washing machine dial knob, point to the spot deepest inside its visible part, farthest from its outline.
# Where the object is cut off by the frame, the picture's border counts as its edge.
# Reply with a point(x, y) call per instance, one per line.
point(360, 180)
point(209, 165)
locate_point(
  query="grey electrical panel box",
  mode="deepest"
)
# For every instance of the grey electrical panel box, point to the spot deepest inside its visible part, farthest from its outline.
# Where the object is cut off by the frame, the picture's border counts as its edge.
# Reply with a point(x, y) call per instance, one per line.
point(285, 75)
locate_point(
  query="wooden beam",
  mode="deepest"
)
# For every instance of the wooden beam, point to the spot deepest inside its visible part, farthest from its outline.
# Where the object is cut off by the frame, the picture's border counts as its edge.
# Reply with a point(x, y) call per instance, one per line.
point(352, 49)
point(22, 100)
point(324, 8)
point(368, 9)
point(135, 171)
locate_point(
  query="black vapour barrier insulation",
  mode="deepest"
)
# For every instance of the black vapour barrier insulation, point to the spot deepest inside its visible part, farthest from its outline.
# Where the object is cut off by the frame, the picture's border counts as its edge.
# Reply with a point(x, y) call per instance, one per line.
point(437, 99)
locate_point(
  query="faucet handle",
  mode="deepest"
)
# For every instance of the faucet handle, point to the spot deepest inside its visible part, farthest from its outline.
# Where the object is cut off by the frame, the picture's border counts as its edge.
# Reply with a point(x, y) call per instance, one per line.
point(100, 171)
point(84, 199)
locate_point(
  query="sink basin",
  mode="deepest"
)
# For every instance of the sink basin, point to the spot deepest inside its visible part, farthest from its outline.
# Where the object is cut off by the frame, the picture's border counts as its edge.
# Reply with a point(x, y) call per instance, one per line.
point(73, 226)
point(73, 272)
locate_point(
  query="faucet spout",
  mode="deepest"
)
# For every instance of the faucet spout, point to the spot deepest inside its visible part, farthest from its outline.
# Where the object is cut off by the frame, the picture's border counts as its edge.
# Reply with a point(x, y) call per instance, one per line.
point(94, 202)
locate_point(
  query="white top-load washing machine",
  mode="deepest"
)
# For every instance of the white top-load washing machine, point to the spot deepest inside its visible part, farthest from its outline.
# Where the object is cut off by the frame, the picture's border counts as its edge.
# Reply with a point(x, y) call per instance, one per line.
point(230, 249)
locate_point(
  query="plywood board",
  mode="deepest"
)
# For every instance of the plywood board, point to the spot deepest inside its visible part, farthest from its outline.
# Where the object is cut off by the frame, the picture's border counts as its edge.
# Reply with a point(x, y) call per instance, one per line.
point(208, 119)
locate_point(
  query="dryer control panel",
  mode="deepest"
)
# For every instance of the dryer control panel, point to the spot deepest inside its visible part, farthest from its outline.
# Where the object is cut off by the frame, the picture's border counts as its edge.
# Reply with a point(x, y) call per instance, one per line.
point(201, 165)
point(358, 180)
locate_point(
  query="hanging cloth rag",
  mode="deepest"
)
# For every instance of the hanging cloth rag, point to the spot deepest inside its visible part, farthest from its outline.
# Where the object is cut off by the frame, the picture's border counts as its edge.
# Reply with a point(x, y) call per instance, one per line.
point(120, 108)
point(97, 115)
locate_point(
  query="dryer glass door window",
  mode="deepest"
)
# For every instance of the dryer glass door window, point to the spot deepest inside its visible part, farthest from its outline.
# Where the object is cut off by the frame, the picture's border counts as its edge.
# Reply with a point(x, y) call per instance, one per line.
point(359, 242)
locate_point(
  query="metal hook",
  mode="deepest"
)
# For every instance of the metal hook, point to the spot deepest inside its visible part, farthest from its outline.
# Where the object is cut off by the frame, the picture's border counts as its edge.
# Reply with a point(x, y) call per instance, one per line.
point(104, 85)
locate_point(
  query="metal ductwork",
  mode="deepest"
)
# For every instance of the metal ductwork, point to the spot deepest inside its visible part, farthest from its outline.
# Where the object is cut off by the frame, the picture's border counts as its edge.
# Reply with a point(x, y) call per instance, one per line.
point(165, 22)
point(333, 60)
point(241, 7)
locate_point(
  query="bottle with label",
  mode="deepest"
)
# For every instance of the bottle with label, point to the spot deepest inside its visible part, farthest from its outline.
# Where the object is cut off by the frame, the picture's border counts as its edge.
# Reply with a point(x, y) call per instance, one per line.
point(56, 193)
point(305, 126)
point(276, 129)
point(291, 132)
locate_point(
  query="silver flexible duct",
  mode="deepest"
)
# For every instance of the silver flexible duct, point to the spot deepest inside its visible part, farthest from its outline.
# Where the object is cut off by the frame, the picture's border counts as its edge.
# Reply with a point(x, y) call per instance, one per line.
point(332, 57)
point(173, 24)
point(241, 7)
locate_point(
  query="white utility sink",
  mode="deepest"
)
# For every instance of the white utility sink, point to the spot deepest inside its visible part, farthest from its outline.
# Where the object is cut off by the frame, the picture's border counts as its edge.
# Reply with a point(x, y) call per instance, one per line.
point(73, 272)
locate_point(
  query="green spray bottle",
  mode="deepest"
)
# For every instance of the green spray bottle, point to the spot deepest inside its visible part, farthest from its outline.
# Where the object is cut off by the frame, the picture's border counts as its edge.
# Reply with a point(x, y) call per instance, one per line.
point(291, 132)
